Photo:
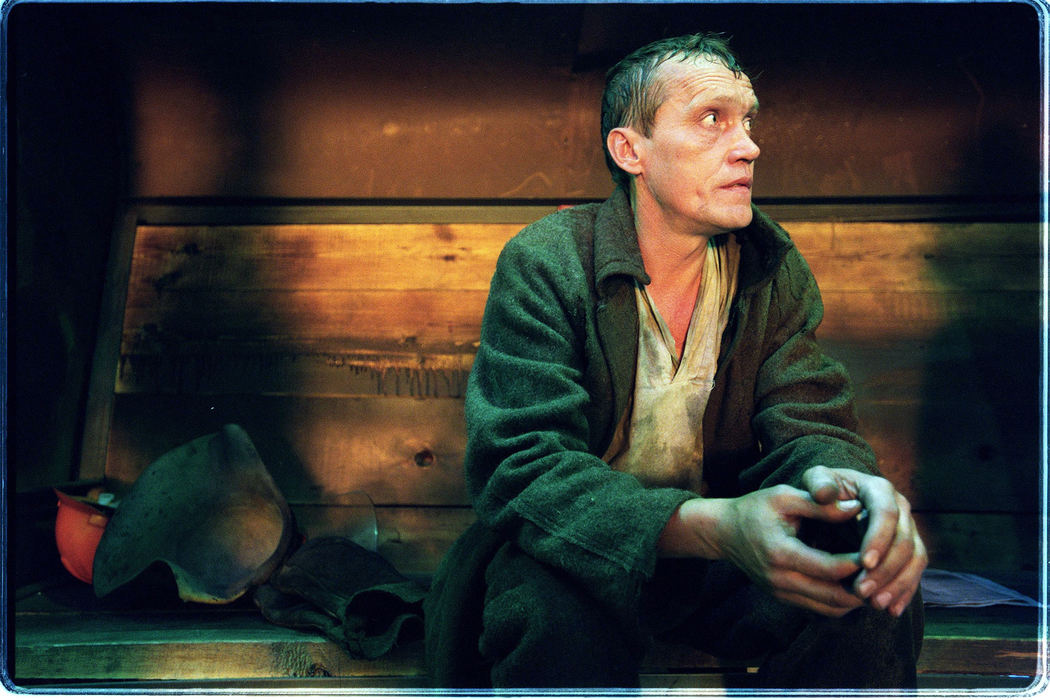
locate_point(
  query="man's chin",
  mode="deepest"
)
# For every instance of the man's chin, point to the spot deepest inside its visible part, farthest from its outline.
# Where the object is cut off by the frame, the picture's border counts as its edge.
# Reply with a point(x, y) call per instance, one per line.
point(737, 220)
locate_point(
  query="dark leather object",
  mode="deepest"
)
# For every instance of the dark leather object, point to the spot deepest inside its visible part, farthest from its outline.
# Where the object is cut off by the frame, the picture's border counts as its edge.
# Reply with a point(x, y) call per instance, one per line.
point(350, 594)
point(210, 511)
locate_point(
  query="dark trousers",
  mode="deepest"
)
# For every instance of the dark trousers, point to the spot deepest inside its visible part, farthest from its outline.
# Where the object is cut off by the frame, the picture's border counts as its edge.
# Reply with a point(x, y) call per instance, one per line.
point(539, 631)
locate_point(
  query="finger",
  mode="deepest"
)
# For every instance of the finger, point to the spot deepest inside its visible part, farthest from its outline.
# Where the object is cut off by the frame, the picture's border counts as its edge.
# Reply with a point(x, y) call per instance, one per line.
point(826, 599)
point(879, 497)
point(897, 593)
point(900, 591)
point(796, 556)
point(841, 511)
point(900, 553)
point(796, 503)
point(814, 606)
point(826, 592)
point(907, 593)
point(826, 484)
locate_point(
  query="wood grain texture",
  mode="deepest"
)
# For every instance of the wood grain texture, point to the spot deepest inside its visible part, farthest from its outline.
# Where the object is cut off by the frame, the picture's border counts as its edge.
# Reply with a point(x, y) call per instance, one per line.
point(846, 256)
point(943, 455)
point(335, 256)
point(398, 451)
point(344, 350)
point(349, 287)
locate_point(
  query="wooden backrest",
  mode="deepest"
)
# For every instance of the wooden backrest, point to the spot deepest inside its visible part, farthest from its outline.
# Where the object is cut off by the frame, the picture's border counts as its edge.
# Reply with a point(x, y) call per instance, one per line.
point(343, 349)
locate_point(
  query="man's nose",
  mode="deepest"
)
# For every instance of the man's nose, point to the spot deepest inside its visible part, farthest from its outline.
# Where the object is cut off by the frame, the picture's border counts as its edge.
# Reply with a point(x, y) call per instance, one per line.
point(744, 148)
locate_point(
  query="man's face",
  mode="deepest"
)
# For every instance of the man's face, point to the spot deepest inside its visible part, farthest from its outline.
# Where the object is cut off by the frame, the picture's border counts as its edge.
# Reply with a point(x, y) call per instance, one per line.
point(697, 164)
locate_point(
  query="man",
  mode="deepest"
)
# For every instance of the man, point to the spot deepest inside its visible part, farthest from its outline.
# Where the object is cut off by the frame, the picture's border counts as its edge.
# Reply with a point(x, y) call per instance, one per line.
point(656, 444)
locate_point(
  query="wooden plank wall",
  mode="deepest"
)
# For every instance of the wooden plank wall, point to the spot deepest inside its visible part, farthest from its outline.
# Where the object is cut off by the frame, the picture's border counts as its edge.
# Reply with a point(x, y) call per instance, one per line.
point(344, 348)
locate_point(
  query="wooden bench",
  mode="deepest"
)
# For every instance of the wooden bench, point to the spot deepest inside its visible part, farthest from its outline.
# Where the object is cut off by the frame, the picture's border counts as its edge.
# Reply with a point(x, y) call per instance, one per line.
point(341, 337)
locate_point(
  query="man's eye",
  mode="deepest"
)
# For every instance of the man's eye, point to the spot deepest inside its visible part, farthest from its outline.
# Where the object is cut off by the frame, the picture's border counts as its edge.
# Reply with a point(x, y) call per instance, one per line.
point(749, 124)
point(709, 119)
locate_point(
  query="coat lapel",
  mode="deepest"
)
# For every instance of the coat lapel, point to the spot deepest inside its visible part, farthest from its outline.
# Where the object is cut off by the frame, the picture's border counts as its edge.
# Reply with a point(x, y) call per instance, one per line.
point(617, 265)
point(617, 318)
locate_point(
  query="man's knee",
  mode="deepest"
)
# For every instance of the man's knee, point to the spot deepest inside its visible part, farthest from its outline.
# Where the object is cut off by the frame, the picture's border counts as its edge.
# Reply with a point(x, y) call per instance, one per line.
point(865, 649)
point(539, 630)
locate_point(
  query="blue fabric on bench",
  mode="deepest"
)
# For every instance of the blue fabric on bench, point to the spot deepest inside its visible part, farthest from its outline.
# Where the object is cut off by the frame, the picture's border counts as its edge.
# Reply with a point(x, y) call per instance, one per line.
point(957, 589)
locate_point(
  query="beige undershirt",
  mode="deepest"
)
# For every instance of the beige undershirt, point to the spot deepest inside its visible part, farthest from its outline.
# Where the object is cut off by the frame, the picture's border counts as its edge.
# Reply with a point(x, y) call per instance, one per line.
point(660, 438)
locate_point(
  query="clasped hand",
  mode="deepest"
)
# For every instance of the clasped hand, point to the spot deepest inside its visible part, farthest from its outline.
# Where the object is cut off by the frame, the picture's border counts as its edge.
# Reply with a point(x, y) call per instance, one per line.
point(758, 533)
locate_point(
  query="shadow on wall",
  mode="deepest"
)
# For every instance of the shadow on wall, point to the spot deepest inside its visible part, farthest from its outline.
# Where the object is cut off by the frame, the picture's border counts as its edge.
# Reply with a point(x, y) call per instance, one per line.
point(980, 415)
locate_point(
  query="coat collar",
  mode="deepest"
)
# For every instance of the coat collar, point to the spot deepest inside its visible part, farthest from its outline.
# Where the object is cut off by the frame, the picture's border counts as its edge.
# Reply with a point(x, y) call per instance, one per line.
point(763, 245)
point(616, 253)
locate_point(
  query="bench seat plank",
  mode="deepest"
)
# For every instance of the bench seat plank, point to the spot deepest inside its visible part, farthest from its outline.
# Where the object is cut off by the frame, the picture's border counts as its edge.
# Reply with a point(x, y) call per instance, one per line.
point(240, 644)
point(158, 646)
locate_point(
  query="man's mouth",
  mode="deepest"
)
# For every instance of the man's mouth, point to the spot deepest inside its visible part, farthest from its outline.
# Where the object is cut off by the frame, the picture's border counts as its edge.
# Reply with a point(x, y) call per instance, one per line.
point(743, 183)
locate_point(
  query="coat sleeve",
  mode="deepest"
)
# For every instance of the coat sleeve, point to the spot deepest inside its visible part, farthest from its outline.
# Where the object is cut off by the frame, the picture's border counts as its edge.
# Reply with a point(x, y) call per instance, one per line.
point(804, 406)
point(529, 468)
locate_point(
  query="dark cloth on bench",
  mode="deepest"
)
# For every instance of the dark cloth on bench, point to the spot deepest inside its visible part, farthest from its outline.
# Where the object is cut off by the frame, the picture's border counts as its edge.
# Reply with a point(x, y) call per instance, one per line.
point(350, 594)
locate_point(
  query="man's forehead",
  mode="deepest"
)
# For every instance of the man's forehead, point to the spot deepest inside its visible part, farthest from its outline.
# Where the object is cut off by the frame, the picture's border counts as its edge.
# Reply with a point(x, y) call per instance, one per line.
point(702, 77)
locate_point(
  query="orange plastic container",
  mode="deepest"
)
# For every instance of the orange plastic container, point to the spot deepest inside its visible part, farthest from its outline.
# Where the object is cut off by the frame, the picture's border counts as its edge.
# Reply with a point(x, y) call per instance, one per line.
point(78, 529)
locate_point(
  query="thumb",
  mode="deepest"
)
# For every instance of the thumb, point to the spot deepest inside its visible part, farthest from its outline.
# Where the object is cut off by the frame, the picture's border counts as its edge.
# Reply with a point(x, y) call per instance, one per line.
point(821, 484)
point(834, 511)
point(840, 511)
point(825, 485)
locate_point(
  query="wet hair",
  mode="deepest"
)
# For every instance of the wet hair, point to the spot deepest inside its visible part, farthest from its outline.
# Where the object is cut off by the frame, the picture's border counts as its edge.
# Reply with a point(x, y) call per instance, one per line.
point(633, 94)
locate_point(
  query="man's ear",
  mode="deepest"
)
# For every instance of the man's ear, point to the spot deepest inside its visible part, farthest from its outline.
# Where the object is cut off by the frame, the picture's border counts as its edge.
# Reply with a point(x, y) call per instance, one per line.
point(623, 144)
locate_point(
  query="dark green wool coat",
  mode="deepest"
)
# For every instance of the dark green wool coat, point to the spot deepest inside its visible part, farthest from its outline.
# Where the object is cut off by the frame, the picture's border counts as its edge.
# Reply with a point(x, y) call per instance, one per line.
point(552, 376)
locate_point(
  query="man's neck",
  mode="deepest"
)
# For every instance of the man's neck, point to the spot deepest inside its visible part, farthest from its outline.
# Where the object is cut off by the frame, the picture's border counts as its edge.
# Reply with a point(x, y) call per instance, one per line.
point(673, 256)
point(674, 259)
